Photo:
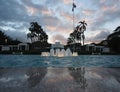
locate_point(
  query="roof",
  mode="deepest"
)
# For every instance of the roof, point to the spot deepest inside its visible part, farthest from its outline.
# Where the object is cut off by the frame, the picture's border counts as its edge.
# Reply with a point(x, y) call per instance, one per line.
point(57, 45)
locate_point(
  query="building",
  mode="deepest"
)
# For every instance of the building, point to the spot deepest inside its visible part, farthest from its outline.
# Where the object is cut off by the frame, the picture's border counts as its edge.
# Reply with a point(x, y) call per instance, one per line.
point(15, 47)
point(96, 48)
point(57, 45)
point(23, 46)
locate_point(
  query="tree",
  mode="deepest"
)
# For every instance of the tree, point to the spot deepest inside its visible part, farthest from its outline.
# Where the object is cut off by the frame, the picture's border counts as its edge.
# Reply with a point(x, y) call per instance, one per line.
point(117, 29)
point(4, 39)
point(75, 37)
point(114, 44)
point(114, 40)
point(37, 33)
point(81, 28)
point(70, 40)
point(78, 34)
point(31, 36)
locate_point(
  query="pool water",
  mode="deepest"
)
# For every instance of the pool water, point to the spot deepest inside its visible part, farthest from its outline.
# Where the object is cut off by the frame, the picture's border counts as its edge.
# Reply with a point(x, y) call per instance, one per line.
point(78, 61)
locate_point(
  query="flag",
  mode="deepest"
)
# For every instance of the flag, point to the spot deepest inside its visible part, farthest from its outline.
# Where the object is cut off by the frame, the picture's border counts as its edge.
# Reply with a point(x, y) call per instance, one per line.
point(74, 6)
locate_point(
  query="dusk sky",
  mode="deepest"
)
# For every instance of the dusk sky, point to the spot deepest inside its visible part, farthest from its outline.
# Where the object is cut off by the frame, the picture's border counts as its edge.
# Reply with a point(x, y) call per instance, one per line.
point(55, 17)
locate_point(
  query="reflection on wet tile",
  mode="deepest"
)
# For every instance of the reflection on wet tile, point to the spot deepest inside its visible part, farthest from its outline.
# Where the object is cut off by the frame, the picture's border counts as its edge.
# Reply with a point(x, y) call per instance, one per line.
point(79, 76)
point(80, 79)
point(35, 75)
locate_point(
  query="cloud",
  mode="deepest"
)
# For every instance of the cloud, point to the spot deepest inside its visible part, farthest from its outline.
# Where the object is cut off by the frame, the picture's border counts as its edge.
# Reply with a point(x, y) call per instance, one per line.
point(59, 38)
point(11, 11)
point(51, 28)
point(101, 35)
point(52, 2)
point(102, 1)
point(50, 20)
point(66, 16)
point(64, 29)
point(67, 1)
point(31, 10)
point(55, 16)
point(107, 11)
point(47, 12)
point(17, 35)
point(107, 14)
point(108, 8)
point(88, 12)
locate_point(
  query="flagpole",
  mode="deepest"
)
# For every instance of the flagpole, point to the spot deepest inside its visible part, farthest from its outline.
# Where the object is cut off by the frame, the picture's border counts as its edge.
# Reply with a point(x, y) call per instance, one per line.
point(73, 17)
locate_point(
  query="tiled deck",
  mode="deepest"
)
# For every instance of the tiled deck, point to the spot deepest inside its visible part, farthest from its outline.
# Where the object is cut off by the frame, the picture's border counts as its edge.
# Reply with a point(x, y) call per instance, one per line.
point(60, 79)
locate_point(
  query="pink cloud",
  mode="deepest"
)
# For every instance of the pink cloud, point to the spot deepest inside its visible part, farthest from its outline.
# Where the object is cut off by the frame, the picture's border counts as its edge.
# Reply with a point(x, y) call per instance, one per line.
point(67, 1)
point(88, 12)
point(59, 38)
point(51, 28)
point(109, 8)
point(31, 10)
point(46, 12)
point(63, 31)
point(66, 16)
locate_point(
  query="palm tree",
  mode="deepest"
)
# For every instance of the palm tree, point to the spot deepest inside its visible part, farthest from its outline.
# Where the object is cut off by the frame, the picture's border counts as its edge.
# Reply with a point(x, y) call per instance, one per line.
point(74, 37)
point(81, 28)
point(78, 36)
point(70, 40)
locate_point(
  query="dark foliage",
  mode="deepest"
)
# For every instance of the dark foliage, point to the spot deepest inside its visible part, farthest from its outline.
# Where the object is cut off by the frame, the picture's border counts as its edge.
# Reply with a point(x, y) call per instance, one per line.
point(6, 40)
point(78, 34)
point(37, 33)
point(114, 44)
point(114, 40)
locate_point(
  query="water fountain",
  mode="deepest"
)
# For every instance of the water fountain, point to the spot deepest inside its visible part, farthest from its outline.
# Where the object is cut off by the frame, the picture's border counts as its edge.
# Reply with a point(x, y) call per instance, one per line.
point(68, 52)
point(58, 50)
point(59, 53)
point(45, 54)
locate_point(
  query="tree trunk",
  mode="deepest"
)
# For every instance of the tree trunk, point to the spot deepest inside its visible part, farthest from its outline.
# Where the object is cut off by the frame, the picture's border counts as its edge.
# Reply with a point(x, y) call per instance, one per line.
point(83, 38)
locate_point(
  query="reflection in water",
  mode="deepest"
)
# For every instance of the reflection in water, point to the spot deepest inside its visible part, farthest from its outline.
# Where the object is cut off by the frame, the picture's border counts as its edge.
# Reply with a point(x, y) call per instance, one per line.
point(79, 76)
point(59, 79)
point(35, 75)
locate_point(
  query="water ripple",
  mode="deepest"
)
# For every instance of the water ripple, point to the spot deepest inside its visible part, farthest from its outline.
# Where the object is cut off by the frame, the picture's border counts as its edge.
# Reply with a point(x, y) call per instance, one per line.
point(38, 61)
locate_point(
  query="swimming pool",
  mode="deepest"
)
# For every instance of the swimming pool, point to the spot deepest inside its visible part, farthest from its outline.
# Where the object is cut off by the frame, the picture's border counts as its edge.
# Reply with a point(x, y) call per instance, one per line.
point(78, 61)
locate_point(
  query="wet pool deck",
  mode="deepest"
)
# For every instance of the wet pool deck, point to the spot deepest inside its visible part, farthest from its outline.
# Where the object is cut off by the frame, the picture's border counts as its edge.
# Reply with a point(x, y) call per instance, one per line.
point(60, 79)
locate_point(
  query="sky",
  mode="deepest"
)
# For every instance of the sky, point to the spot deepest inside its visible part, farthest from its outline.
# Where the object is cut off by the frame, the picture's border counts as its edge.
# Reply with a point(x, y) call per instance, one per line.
point(56, 18)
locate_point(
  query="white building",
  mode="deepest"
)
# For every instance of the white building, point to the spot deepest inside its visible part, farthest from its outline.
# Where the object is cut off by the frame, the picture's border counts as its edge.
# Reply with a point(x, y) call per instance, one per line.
point(57, 45)
point(23, 46)
point(5, 47)
point(94, 48)
point(106, 50)
point(20, 46)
